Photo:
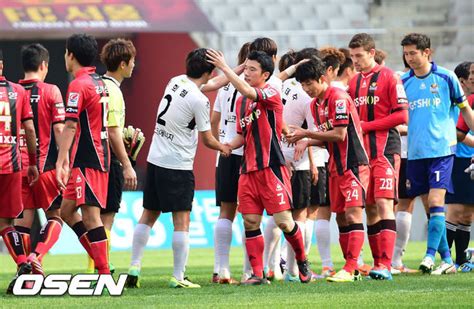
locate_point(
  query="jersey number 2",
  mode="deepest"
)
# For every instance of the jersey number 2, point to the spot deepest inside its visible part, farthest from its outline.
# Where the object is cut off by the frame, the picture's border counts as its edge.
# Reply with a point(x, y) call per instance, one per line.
point(168, 102)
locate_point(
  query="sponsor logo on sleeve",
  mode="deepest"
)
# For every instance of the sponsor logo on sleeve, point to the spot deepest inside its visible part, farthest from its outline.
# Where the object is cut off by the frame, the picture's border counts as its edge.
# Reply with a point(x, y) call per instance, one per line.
point(73, 99)
point(269, 92)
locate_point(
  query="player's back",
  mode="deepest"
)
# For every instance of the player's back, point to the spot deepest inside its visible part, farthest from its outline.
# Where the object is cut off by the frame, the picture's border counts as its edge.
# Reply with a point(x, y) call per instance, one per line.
point(182, 110)
point(13, 109)
point(432, 98)
point(87, 101)
point(48, 109)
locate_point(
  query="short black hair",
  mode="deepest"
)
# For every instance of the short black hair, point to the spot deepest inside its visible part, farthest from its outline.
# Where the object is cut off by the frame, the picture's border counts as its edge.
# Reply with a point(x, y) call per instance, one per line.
point(266, 62)
point(286, 60)
point(1, 55)
point(307, 53)
point(266, 45)
point(462, 69)
point(32, 56)
point(83, 47)
point(310, 70)
point(197, 64)
point(405, 63)
point(421, 41)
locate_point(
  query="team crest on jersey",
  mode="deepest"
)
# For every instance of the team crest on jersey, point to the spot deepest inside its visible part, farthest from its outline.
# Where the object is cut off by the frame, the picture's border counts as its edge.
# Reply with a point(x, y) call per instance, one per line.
point(364, 84)
point(434, 88)
point(373, 86)
point(340, 106)
point(389, 172)
point(269, 92)
point(422, 86)
point(73, 99)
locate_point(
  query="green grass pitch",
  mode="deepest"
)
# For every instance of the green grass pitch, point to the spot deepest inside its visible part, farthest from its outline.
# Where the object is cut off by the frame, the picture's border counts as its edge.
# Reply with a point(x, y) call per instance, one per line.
point(451, 291)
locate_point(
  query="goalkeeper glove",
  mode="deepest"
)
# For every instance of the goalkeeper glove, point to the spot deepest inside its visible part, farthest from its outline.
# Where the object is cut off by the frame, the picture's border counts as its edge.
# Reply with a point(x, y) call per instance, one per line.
point(133, 139)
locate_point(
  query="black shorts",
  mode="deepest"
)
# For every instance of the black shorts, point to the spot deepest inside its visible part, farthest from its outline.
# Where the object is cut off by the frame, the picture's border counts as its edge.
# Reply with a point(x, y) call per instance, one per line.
point(320, 191)
point(301, 189)
point(402, 180)
point(227, 179)
point(168, 190)
point(115, 188)
point(463, 185)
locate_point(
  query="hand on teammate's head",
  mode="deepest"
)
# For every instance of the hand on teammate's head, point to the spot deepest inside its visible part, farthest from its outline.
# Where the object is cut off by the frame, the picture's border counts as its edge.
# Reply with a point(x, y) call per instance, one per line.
point(216, 58)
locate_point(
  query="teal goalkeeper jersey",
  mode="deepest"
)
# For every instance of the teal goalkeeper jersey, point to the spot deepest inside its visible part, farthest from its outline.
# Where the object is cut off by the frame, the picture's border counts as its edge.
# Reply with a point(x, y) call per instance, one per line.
point(432, 117)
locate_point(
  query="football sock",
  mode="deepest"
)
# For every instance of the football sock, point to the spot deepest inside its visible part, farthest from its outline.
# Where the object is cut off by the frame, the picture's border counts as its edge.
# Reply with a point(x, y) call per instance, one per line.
point(254, 243)
point(373, 233)
point(98, 242)
point(80, 229)
point(436, 229)
point(14, 244)
point(25, 234)
point(308, 235)
point(463, 234)
point(291, 264)
point(323, 241)
point(141, 235)
point(450, 233)
point(180, 253)
point(223, 239)
point(388, 235)
point(295, 239)
point(49, 235)
point(355, 243)
point(403, 224)
point(343, 239)
point(247, 268)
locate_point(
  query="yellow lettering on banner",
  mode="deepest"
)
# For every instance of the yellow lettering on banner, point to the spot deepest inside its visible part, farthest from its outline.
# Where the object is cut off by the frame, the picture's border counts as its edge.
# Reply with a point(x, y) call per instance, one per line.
point(13, 14)
point(41, 14)
point(90, 12)
point(122, 12)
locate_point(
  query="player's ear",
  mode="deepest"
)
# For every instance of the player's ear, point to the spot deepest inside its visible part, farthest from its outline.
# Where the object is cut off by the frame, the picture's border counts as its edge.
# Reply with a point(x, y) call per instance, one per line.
point(266, 75)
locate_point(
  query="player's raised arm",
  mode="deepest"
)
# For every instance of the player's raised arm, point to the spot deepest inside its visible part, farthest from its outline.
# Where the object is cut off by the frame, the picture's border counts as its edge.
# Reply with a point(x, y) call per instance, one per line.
point(217, 59)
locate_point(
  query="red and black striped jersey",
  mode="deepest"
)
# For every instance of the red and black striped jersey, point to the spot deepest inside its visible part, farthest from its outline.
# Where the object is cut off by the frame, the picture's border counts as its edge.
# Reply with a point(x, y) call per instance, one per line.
point(48, 109)
point(14, 109)
point(376, 95)
point(338, 110)
point(87, 99)
point(260, 122)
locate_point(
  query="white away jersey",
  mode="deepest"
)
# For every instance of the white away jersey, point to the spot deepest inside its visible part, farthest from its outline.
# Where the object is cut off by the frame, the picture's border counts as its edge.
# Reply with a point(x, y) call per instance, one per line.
point(183, 111)
point(296, 111)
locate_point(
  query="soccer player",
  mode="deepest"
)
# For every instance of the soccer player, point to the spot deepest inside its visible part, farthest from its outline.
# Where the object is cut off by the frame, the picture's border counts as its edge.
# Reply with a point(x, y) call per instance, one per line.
point(182, 113)
point(48, 117)
point(346, 71)
point(433, 92)
point(338, 126)
point(382, 105)
point(223, 124)
point(404, 208)
point(118, 55)
point(264, 181)
point(15, 112)
point(460, 204)
point(296, 112)
point(83, 175)
point(380, 57)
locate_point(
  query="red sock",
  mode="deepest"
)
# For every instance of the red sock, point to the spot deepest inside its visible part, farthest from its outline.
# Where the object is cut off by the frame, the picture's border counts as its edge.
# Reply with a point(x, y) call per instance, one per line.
point(14, 244)
point(254, 244)
point(98, 240)
point(373, 233)
point(26, 238)
point(355, 243)
point(343, 239)
point(49, 235)
point(295, 239)
point(388, 236)
point(81, 232)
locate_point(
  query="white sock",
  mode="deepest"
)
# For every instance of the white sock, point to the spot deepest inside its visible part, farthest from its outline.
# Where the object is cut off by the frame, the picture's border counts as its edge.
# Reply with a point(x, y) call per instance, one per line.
point(360, 260)
point(284, 250)
point(271, 236)
point(308, 235)
point(275, 258)
point(223, 238)
point(247, 268)
point(180, 244)
point(291, 265)
point(140, 239)
point(323, 240)
point(216, 256)
point(403, 221)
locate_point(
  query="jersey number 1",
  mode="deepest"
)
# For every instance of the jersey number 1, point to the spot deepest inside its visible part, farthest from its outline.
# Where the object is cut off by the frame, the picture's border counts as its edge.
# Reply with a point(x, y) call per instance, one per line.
point(168, 102)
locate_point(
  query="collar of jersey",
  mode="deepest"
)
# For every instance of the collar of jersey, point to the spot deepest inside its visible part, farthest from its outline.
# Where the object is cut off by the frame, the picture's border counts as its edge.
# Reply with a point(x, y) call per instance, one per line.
point(28, 81)
point(85, 70)
point(434, 68)
point(116, 82)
